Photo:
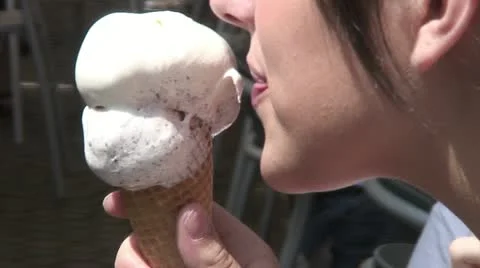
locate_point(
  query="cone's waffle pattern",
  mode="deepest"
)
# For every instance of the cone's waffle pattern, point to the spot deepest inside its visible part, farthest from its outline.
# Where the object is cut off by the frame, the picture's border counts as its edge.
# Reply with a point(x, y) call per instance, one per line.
point(153, 213)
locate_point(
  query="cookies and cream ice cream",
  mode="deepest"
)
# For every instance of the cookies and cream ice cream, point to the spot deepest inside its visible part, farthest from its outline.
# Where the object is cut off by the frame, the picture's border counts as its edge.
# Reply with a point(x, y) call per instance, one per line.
point(148, 80)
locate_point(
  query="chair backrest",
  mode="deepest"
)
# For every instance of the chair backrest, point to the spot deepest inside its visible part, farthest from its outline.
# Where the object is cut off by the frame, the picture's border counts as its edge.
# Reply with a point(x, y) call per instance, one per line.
point(401, 200)
point(10, 20)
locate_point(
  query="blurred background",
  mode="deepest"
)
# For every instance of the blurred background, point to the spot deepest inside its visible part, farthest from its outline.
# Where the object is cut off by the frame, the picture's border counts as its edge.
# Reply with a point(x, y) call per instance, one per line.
point(50, 203)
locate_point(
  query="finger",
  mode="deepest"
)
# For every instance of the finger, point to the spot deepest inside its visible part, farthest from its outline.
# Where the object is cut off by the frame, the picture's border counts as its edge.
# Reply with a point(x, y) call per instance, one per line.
point(465, 252)
point(113, 205)
point(199, 246)
point(128, 255)
point(237, 238)
point(232, 244)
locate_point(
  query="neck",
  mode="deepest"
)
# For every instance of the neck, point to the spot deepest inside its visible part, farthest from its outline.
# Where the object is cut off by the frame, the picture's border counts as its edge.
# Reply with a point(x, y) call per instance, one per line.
point(463, 179)
point(453, 176)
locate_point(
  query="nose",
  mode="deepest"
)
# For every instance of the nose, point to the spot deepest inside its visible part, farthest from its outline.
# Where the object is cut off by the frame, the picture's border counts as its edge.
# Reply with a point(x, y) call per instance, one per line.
point(239, 13)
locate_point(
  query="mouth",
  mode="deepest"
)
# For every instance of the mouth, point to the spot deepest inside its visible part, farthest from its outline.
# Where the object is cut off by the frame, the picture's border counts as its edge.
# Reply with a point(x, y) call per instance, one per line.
point(259, 87)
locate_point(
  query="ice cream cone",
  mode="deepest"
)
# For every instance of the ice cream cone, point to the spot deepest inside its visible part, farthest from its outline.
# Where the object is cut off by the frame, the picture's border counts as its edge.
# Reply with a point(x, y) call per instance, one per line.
point(150, 116)
point(153, 214)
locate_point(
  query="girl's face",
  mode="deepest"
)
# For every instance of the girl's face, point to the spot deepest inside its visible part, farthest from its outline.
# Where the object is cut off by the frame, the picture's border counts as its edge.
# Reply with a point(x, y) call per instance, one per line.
point(325, 124)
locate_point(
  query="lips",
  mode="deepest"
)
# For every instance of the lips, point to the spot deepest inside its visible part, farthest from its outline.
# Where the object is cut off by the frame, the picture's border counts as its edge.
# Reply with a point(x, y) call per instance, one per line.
point(259, 87)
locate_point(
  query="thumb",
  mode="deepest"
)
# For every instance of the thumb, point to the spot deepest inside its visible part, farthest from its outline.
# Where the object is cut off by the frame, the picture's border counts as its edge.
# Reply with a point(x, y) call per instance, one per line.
point(465, 252)
point(198, 242)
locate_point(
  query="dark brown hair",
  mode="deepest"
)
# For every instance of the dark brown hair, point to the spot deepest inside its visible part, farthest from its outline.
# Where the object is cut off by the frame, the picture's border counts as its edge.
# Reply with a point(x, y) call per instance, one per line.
point(358, 24)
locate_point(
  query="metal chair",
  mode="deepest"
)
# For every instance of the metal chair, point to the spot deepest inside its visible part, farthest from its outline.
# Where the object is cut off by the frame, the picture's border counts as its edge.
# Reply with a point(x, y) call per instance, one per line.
point(394, 255)
point(198, 7)
point(28, 18)
point(295, 230)
point(12, 21)
point(137, 5)
point(405, 203)
point(246, 170)
point(401, 200)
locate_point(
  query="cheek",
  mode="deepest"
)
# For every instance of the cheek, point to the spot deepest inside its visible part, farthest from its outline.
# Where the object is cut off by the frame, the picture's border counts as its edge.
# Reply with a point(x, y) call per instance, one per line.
point(314, 93)
point(323, 128)
point(324, 125)
point(310, 135)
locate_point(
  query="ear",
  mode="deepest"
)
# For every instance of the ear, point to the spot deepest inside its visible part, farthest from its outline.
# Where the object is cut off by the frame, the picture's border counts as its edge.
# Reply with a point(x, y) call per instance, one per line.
point(444, 23)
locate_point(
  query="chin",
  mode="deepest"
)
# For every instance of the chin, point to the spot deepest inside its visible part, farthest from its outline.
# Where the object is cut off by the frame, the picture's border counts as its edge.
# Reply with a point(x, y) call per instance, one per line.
point(291, 181)
point(286, 168)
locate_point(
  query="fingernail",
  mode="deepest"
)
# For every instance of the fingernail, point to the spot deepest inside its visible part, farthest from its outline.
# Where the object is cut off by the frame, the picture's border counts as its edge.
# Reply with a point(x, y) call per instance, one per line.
point(197, 224)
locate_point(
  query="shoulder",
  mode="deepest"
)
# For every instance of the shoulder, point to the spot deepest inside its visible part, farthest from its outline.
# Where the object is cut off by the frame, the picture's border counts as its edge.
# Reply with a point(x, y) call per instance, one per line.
point(442, 227)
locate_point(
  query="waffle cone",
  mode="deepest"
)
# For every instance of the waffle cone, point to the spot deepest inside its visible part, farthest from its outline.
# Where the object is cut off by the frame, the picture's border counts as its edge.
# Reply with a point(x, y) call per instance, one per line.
point(153, 214)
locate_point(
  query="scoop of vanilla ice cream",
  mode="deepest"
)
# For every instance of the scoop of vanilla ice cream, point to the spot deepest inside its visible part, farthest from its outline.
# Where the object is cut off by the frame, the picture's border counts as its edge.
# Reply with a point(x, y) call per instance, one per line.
point(153, 83)
point(128, 60)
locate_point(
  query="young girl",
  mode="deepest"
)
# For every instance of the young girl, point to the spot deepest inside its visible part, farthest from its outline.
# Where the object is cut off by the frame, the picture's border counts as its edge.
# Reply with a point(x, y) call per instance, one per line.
point(350, 90)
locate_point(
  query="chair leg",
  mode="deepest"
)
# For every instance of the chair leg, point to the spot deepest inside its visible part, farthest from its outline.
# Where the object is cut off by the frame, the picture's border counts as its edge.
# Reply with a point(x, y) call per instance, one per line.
point(251, 168)
point(217, 151)
point(296, 226)
point(198, 8)
point(16, 90)
point(266, 217)
point(221, 26)
point(136, 6)
point(243, 174)
point(47, 99)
